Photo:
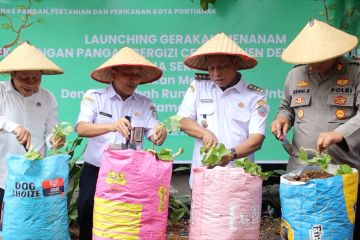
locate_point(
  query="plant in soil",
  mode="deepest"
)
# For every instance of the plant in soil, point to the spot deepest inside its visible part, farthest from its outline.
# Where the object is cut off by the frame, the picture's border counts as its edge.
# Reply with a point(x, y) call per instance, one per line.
point(320, 159)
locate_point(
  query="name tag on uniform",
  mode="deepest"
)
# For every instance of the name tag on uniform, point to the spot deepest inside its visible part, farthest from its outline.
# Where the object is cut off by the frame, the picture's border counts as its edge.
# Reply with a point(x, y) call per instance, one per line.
point(206, 100)
point(105, 114)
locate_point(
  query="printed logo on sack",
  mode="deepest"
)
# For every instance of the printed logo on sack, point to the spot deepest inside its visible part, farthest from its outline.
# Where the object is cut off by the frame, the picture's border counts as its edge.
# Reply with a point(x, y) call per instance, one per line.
point(238, 217)
point(25, 190)
point(53, 187)
point(316, 232)
point(162, 194)
point(116, 178)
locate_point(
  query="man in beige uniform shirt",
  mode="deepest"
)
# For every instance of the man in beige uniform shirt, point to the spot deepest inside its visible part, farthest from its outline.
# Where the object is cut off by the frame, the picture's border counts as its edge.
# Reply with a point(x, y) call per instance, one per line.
point(321, 98)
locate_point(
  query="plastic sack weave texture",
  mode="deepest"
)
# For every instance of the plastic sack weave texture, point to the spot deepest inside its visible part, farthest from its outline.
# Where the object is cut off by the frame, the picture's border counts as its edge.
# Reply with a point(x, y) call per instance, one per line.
point(132, 196)
point(35, 202)
point(225, 204)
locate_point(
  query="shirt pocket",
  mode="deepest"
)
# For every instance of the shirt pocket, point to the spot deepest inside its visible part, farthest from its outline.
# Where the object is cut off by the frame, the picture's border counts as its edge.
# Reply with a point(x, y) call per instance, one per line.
point(341, 107)
point(240, 119)
point(107, 137)
point(205, 112)
point(301, 106)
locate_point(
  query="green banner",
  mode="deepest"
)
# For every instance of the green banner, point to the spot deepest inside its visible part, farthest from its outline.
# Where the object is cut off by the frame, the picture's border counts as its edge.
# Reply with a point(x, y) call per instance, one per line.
point(79, 35)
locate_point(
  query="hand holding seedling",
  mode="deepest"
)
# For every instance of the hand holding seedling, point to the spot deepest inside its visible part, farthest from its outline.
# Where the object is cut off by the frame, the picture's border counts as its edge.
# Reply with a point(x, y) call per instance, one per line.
point(57, 141)
point(328, 138)
point(159, 134)
point(280, 126)
point(23, 136)
point(209, 140)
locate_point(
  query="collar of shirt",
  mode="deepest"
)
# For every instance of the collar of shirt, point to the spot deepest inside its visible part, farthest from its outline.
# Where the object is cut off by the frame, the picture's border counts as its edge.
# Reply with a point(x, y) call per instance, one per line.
point(110, 91)
point(239, 86)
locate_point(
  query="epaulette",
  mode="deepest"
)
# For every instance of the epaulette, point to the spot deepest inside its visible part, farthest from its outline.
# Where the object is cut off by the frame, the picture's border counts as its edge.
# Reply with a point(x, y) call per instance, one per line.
point(202, 76)
point(256, 89)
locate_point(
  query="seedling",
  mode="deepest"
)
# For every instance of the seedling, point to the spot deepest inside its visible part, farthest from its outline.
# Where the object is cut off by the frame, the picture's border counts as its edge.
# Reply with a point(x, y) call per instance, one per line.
point(213, 156)
point(252, 168)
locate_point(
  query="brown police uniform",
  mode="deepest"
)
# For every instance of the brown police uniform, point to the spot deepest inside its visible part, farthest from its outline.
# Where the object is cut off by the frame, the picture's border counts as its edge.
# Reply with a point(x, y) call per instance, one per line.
point(316, 105)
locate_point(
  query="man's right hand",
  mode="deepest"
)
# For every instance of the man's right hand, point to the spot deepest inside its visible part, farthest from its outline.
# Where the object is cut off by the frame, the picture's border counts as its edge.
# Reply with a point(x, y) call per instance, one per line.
point(23, 136)
point(280, 126)
point(209, 139)
point(123, 127)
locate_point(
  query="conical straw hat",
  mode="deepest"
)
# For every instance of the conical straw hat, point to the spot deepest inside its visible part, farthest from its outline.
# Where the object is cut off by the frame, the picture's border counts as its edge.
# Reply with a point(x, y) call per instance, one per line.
point(318, 42)
point(26, 57)
point(220, 44)
point(127, 57)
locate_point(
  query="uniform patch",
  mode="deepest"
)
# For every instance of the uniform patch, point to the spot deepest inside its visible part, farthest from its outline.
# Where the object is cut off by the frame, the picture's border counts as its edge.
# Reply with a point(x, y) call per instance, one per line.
point(154, 112)
point(88, 98)
point(256, 89)
point(262, 109)
point(342, 82)
point(339, 100)
point(303, 83)
point(340, 67)
point(105, 114)
point(240, 104)
point(340, 114)
point(38, 104)
point(341, 90)
point(299, 100)
point(300, 113)
point(206, 100)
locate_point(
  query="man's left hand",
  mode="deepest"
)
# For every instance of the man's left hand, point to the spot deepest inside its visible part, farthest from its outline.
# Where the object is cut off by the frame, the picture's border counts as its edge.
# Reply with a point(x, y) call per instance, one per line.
point(328, 138)
point(57, 141)
point(159, 134)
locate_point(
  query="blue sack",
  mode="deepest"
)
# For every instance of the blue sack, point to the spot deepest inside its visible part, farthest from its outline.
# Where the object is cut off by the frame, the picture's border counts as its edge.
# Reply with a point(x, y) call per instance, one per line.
point(35, 203)
point(320, 209)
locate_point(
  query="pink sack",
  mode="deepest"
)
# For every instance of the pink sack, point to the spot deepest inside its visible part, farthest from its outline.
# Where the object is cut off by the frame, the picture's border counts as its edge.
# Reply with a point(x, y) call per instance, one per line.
point(132, 196)
point(225, 204)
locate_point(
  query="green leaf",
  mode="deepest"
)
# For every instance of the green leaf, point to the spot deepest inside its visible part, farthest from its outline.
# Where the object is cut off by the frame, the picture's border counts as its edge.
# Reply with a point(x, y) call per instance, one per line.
point(252, 168)
point(321, 159)
point(172, 124)
point(165, 154)
point(343, 169)
point(214, 155)
point(63, 129)
point(33, 155)
point(6, 26)
point(40, 20)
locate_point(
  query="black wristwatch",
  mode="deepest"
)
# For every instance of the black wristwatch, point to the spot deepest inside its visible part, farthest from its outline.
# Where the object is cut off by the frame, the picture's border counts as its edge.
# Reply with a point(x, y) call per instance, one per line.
point(233, 152)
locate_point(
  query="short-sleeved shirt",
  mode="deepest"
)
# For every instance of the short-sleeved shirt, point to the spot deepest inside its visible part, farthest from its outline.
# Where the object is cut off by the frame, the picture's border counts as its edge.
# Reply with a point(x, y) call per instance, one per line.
point(37, 113)
point(105, 106)
point(231, 115)
point(314, 105)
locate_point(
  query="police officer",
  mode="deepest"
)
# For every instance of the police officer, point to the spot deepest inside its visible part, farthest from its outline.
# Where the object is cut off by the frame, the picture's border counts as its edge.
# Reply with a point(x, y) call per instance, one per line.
point(224, 109)
point(102, 119)
point(321, 97)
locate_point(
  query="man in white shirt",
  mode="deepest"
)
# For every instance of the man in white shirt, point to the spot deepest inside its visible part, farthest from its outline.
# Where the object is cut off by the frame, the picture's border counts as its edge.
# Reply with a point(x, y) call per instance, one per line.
point(223, 108)
point(28, 112)
point(103, 119)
